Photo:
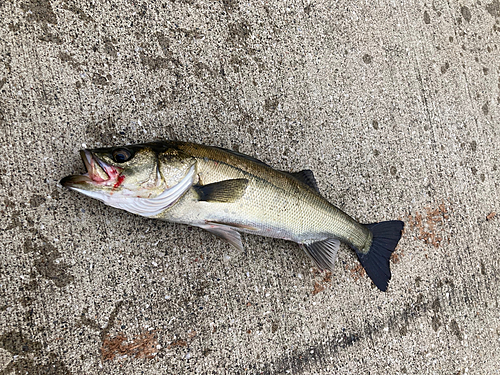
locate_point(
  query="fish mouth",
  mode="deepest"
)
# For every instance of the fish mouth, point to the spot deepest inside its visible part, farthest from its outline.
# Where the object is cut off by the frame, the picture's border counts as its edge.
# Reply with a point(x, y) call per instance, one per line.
point(98, 172)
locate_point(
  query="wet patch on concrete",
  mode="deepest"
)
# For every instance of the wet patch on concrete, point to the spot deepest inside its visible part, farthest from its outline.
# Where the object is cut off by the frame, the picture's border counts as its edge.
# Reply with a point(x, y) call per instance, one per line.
point(47, 262)
point(23, 350)
point(299, 361)
point(77, 11)
point(17, 344)
point(27, 366)
point(37, 200)
point(39, 11)
point(99, 79)
point(67, 58)
point(493, 8)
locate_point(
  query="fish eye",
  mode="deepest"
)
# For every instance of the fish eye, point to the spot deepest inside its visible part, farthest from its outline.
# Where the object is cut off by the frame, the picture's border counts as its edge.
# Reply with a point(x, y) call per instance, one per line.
point(121, 155)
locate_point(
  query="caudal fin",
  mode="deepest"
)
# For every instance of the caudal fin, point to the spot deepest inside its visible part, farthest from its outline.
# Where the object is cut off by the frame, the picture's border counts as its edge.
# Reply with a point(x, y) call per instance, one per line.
point(386, 235)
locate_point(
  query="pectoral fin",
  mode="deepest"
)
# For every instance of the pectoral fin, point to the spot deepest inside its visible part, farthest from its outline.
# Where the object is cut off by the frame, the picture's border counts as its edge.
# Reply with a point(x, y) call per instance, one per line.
point(323, 253)
point(223, 191)
point(226, 233)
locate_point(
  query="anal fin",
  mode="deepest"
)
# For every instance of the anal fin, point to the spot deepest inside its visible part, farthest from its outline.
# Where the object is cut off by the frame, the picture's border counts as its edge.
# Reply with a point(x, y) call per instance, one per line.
point(323, 253)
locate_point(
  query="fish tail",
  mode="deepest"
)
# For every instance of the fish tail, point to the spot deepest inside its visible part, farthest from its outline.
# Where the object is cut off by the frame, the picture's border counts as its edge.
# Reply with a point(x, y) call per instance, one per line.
point(386, 236)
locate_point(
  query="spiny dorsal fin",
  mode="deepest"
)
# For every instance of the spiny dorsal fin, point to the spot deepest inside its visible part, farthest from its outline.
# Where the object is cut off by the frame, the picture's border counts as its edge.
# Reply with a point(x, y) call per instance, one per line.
point(222, 191)
point(307, 177)
point(323, 253)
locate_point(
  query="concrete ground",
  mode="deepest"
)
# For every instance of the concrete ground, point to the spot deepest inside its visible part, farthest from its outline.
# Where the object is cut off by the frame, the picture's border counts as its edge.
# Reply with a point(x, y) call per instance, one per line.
point(393, 105)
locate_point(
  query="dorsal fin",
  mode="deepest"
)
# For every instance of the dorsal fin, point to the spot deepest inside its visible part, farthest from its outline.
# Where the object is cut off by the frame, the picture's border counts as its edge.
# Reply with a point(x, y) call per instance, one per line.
point(307, 177)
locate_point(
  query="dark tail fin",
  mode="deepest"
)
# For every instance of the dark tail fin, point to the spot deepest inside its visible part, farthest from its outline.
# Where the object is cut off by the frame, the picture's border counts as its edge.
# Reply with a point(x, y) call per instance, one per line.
point(386, 235)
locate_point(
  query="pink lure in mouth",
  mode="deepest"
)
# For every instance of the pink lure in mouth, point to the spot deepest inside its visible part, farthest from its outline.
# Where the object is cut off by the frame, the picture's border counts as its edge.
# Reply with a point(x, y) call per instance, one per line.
point(98, 171)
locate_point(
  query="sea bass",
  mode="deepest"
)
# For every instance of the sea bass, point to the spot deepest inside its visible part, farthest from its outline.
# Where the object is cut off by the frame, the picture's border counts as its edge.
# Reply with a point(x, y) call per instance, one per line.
point(225, 193)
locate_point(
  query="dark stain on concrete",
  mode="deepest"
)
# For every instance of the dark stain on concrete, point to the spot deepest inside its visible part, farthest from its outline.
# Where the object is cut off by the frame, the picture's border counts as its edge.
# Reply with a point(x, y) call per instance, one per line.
point(55, 194)
point(48, 36)
point(17, 344)
point(27, 366)
point(104, 332)
point(101, 80)
point(46, 262)
point(270, 104)
point(14, 27)
point(2, 121)
point(238, 62)
point(436, 306)
point(41, 11)
point(37, 200)
point(109, 48)
point(455, 329)
point(165, 43)
point(445, 67)
point(79, 12)
point(485, 108)
point(87, 321)
point(483, 269)
point(15, 221)
point(193, 34)
point(493, 8)
point(155, 63)
point(230, 5)
point(239, 32)
point(111, 320)
point(466, 14)
point(427, 18)
point(299, 361)
point(202, 70)
point(274, 327)
point(67, 58)
point(436, 320)
point(473, 145)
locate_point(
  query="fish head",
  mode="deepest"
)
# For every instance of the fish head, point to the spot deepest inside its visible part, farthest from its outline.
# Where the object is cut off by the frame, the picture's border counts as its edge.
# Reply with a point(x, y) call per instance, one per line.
point(135, 175)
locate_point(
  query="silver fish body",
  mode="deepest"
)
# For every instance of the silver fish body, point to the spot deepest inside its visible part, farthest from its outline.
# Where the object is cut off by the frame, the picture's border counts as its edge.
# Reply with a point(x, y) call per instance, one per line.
point(226, 192)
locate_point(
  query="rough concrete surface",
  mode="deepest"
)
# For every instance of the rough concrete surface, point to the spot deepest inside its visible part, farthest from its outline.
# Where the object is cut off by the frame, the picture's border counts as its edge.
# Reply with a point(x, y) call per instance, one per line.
point(393, 104)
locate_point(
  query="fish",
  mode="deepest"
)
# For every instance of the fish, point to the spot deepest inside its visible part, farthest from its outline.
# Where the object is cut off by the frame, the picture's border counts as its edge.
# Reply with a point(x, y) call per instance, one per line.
point(228, 193)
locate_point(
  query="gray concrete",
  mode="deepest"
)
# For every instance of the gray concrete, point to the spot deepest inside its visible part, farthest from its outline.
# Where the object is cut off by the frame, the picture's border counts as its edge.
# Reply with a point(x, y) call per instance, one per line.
point(393, 105)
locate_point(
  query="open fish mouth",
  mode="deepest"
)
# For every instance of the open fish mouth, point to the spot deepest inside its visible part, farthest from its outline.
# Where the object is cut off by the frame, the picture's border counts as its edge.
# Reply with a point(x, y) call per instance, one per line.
point(98, 172)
